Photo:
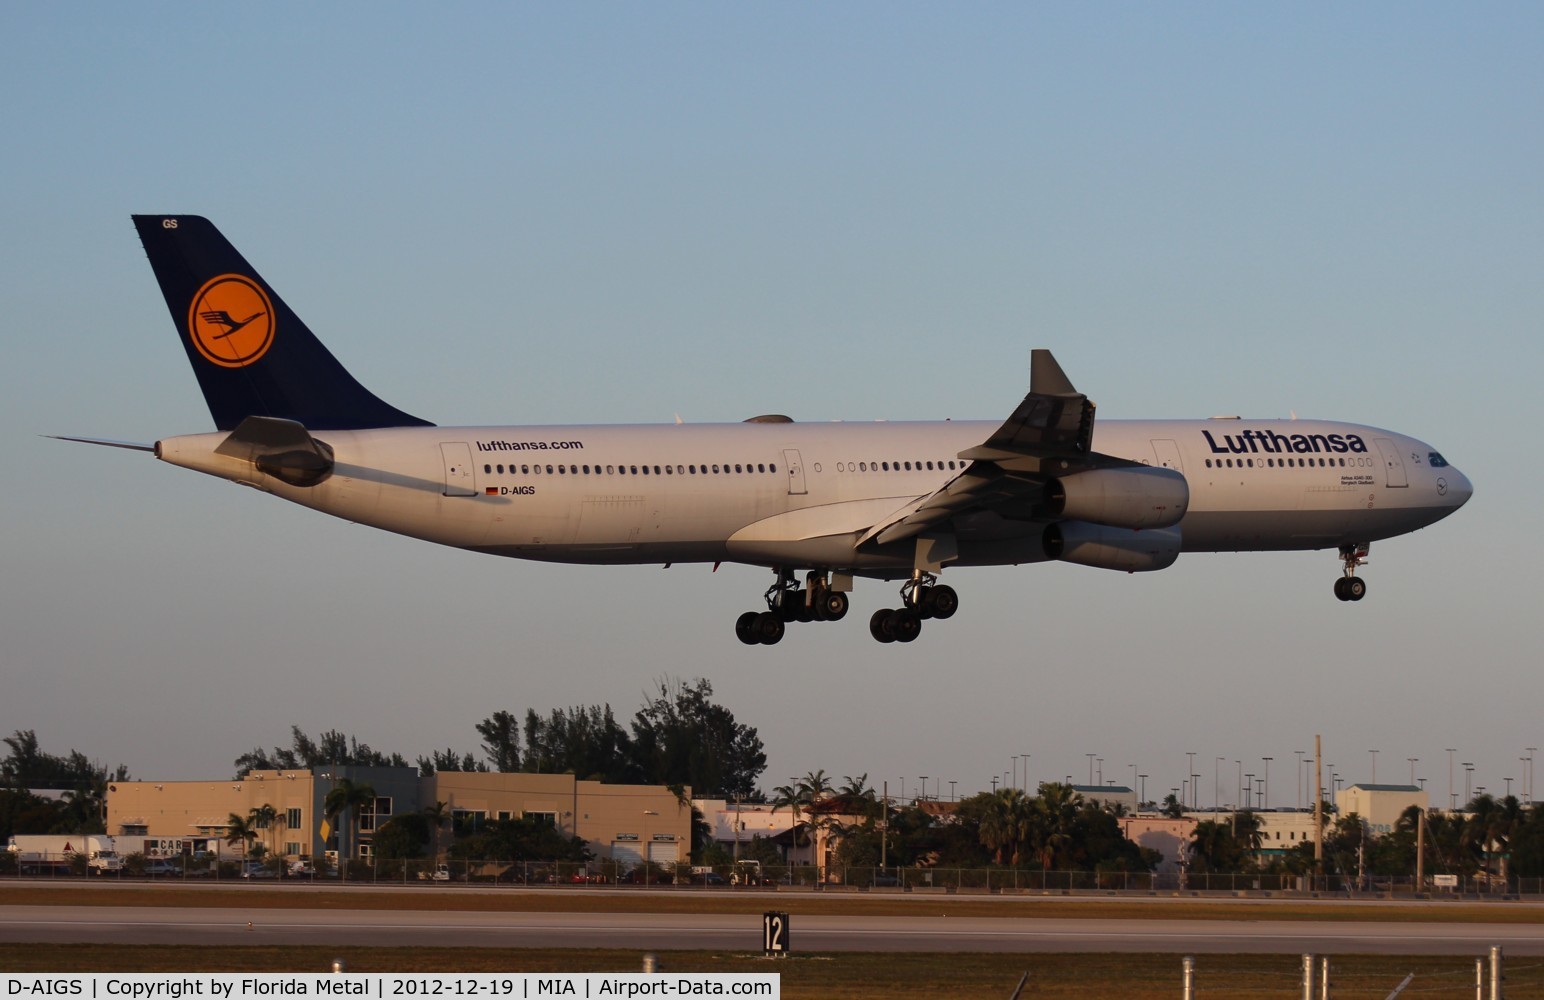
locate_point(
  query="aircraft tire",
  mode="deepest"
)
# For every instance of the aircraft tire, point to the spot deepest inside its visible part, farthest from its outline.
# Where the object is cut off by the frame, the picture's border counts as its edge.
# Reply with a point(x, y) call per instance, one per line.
point(769, 628)
point(745, 628)
point(879, 625)
point(905, 624)
point(833, 605)
point(1356, 588)
point(942, 601)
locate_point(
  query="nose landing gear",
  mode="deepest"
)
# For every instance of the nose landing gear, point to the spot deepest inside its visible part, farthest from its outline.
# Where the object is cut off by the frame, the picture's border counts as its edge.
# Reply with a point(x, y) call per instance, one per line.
point(1351, 587)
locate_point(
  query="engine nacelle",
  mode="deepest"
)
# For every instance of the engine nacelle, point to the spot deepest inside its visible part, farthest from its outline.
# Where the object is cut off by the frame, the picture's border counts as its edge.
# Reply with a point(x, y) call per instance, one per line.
point(1136, 497)
point(1104, 547)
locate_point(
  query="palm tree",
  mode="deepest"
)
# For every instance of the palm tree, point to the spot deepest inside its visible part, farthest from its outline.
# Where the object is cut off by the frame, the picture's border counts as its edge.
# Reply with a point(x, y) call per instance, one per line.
point(437, 814)
point(793, 798)
point(1056, 820)
point(1008, 824)
point(262, 818)
point(239, 830)
point(347, 800)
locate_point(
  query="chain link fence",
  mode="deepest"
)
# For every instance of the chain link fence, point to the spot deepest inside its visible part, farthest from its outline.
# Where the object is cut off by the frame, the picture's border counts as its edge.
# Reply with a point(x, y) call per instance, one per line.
point(751, 875)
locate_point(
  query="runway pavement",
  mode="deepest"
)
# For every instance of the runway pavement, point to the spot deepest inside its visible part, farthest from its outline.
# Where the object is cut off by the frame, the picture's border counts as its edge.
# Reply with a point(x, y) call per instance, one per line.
point(742, 932)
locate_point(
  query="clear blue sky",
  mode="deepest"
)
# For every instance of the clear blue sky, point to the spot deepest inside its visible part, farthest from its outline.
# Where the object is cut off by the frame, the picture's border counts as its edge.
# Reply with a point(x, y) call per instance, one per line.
point(553, 213)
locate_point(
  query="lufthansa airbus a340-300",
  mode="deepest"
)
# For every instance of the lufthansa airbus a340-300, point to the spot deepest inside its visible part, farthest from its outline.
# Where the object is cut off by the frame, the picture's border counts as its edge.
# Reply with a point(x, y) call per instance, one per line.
point(819, 504)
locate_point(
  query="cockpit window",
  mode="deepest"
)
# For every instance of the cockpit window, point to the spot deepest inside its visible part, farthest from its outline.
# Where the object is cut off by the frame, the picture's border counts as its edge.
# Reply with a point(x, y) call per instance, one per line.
point(1436, 461)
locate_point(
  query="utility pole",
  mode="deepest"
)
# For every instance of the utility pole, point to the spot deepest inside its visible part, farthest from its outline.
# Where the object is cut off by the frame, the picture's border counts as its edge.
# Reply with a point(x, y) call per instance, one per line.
point(1265, 802)
point(1374, 766)
point(1318, 808)
point(1190, 772)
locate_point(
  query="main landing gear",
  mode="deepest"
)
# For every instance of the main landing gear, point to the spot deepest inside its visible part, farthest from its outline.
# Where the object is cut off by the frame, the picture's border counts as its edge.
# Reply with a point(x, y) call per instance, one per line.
point(788, 602)
point(921, 597)
point(1351, 587)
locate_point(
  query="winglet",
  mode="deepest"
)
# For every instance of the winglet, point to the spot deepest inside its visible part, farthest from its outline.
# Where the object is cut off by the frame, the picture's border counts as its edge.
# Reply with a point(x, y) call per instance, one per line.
point(1046, 377)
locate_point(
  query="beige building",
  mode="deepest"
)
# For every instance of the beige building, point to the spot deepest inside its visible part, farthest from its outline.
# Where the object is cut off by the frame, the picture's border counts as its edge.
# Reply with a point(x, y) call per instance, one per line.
point(625, 823)
point(1380, 806)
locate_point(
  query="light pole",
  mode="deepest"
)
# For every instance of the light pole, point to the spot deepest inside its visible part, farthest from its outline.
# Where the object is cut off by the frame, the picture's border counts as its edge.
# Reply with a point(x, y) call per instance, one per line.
point(1090, 767)
point(1026, 773)
point(1468, 783)
point(1265, 803)
point(1217, 782)
point(1412, 761)
point(951, 789)
point(1452, 797)
point(1299, 778)
point(1374, 766)
point(1142, 795)
point(1249, 790)
point(1100, 782)
point(994, 784)
point(1190, 770)
point(1531, 751)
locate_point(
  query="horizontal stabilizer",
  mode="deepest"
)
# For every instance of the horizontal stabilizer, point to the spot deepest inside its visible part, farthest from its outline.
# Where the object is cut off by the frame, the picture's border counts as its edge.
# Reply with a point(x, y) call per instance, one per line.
point(130, 445)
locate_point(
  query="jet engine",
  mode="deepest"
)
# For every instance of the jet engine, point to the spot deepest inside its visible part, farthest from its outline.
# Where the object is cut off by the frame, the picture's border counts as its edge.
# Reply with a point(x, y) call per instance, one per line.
point(1135, 497)
point(1104, 547)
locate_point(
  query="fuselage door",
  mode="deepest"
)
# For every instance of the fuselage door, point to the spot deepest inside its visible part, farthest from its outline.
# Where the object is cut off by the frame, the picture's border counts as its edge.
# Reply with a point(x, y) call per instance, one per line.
point(458, 469)
point(1167, 453)
point(1393, 463)
point(795, 466)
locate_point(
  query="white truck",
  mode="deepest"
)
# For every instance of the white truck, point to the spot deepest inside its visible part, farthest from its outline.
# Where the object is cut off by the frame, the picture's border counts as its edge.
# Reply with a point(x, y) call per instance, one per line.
point(39, 852)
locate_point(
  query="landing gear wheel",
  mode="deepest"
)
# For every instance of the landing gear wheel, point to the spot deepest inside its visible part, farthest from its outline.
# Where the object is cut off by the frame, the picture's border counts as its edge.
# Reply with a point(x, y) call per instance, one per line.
point(905, 624)
point(833, 605)
point(1356, 588)
point(745, 628)
point(922, 602)
point(789, 604)
point(880, 625)
point(943, 602)
point(769, 628)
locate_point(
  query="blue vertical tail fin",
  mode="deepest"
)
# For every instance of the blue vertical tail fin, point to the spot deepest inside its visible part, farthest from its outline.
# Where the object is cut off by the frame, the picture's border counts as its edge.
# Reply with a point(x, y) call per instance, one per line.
point(252, 355)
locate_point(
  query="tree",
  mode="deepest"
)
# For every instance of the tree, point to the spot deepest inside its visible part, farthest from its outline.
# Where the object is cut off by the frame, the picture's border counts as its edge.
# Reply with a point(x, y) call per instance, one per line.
point(1008, 825)
point(437, 815)
point(681, 737)
point(264, 818)
point(501, 738)
point(1056, 821)
point(448, 760)
point(401, 837)
point(585, 741)
point(347, 801)
point(238, 830)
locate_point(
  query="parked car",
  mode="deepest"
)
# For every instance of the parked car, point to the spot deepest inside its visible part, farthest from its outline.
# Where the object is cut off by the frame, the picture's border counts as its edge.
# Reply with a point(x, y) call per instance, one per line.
point(440, 873)
point(161, 868)
point(256, 869)
point(302, 869)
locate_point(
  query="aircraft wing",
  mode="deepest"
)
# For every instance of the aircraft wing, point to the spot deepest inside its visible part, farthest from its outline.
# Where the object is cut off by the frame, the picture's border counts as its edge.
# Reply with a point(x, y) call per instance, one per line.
point(1050, 433)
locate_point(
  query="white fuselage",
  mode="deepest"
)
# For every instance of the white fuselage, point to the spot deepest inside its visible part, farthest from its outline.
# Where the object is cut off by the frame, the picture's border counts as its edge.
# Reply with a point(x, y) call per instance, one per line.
point(801, 494)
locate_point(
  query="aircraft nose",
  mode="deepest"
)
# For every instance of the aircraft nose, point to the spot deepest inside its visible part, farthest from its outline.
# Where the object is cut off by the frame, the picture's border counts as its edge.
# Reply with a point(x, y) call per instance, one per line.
point(1455, 487)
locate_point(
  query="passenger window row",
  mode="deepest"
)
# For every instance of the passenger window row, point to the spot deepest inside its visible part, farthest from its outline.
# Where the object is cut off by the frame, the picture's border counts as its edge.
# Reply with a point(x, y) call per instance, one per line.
point(1289, 463)
point(898, 466)
point(632, 470)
